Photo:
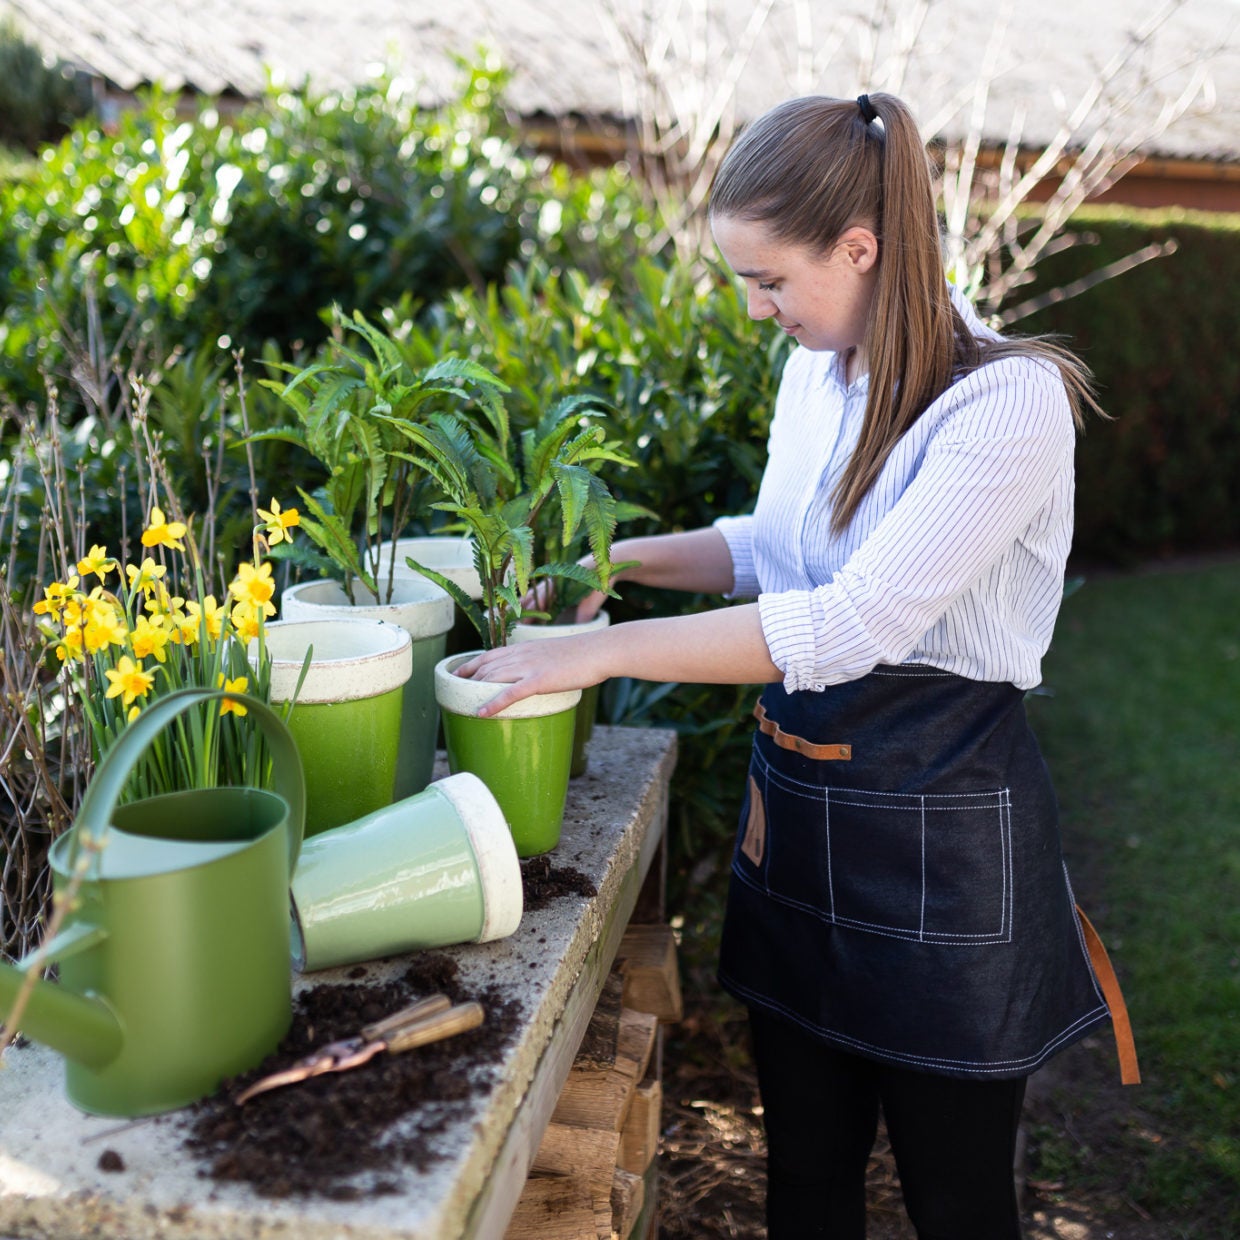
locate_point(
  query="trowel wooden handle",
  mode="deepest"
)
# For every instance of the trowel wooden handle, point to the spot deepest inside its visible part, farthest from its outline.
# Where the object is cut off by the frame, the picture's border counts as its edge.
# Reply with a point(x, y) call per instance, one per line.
point(460, 1019)
point(413, 1014)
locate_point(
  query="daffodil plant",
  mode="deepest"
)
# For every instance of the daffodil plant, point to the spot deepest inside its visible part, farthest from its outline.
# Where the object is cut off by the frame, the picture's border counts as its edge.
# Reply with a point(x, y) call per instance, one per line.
point(127, 634)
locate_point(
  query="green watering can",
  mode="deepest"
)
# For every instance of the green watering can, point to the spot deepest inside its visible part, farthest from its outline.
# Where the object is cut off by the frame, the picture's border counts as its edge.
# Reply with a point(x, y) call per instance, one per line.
point(174, 966)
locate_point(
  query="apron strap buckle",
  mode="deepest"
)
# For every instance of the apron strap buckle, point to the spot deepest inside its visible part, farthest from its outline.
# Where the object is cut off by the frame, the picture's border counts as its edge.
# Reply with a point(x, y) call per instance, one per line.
point(798, 744)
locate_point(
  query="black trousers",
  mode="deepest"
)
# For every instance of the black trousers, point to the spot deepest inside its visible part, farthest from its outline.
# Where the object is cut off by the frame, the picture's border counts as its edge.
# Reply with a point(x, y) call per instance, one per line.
point(954, 1141)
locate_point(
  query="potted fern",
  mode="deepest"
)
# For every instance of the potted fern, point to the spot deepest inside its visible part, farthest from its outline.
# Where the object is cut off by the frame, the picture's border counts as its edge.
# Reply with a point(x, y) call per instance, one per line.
point(499, 488)
point(352, 407)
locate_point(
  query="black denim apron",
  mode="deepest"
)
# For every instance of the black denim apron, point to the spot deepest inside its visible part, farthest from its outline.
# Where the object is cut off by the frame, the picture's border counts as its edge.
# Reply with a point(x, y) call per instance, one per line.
point(902, 893)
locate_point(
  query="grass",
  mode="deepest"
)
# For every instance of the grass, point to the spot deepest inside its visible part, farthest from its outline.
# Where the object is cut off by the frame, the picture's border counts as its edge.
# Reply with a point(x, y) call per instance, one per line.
point(1141, 729)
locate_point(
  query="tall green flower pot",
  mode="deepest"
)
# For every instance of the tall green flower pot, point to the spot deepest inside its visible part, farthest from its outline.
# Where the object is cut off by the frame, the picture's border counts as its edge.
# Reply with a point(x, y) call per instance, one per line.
point(346, 718)
point(587, 708)
point(432, 870)
point(452, 557)
point(174, 958)
point(523, 754)
point(426, 613)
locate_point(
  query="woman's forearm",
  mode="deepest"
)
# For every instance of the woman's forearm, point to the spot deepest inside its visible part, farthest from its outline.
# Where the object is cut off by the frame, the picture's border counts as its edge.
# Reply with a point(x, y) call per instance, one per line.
point(697, 561)
point(725, 646)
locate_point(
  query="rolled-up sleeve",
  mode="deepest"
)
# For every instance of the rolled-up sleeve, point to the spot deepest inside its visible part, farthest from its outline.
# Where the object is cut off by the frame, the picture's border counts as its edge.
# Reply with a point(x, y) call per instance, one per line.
point(738, 534)
point(987, 476)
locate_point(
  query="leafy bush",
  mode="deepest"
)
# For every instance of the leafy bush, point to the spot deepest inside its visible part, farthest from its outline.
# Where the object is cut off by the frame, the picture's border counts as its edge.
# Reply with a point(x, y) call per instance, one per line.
point(1161, 339)
point(247, 230)
point(38, 102)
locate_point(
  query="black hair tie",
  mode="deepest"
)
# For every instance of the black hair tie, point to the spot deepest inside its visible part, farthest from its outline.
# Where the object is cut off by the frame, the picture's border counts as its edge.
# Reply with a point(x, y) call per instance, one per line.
point(867, 109)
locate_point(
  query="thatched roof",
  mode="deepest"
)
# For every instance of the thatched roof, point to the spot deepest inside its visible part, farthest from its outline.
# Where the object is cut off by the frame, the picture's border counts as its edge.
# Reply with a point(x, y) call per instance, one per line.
point(569, 57)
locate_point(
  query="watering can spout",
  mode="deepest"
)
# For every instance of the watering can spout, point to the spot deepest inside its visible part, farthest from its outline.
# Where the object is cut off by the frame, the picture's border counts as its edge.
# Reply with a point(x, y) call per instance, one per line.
point(79, 1027)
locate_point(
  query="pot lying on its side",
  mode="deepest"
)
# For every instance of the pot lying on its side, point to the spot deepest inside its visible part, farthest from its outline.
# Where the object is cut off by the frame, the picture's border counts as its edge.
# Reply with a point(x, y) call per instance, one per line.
point(429, 871)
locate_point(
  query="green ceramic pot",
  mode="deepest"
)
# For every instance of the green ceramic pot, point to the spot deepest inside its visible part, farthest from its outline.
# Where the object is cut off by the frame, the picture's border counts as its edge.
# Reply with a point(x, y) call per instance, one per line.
point(347, 714)
point(522, 755)
point(174, 962)
point(435, 869)
point(587, 708)
point(426, 613)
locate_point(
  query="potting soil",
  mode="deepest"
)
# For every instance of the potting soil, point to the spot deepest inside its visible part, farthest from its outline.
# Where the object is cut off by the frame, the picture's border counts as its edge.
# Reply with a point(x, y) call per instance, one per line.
point(314, 1137)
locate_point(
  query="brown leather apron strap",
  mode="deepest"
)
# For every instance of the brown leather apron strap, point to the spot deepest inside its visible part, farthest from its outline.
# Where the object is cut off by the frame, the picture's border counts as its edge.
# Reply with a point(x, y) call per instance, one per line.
point(1129, 1072)
point(798, 744)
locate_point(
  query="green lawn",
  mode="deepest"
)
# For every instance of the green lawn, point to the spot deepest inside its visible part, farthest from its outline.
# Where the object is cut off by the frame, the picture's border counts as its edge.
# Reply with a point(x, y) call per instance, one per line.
point(1140, 724)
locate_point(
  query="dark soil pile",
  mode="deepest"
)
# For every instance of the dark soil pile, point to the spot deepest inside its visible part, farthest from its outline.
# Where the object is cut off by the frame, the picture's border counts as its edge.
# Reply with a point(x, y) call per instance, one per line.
point(543, 884)
point(314, 1137)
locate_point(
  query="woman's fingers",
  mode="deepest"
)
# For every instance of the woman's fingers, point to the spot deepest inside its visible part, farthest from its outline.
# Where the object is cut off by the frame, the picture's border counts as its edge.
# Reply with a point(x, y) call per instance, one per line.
point(550, 666)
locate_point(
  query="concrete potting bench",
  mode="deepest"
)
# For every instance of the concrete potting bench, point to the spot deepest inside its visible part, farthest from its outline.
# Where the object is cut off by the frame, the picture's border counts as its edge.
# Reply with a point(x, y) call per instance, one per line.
point(559, 961)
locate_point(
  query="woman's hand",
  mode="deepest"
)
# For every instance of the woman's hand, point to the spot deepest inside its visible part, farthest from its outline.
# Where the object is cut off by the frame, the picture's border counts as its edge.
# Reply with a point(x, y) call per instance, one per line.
point(724, 647)
point(552, 665)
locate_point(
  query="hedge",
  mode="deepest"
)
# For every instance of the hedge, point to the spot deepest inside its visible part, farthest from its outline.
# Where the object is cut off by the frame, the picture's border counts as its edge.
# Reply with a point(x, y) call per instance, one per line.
point(1164, 343)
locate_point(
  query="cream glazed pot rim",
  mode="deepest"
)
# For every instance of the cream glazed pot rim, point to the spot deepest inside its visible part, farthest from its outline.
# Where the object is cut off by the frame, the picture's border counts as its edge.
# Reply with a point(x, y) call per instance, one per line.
point(499, 869)
point(449, 555)
point(418, 605)
point(353, 659)
point(539, 632)
point(467, 697)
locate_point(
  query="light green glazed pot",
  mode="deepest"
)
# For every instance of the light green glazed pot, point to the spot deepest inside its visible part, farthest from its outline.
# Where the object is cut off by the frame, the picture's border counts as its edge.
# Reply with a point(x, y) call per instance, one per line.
point(522, 754)
point(432, 870)
point(346, 718)
point(426, 613)
point(587, 708)
point(174, 962)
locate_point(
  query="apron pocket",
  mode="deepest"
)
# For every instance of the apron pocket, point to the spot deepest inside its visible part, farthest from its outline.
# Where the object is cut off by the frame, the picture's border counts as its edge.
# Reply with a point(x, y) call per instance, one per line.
point(931, 868)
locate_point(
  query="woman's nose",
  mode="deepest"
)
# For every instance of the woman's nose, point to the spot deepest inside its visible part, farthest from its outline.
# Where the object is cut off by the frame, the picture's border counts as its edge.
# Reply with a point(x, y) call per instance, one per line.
point(759, 304)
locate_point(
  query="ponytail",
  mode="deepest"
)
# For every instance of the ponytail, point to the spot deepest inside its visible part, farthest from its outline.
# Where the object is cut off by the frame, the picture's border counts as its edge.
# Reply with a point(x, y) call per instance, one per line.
point(811, 168)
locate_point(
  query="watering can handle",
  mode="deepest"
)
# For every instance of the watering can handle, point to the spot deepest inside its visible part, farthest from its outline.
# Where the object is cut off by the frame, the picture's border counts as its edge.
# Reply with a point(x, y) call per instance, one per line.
point(104, 790)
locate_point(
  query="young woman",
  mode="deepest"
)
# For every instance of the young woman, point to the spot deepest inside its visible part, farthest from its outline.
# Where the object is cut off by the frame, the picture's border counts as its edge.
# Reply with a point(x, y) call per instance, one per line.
point(899, 921)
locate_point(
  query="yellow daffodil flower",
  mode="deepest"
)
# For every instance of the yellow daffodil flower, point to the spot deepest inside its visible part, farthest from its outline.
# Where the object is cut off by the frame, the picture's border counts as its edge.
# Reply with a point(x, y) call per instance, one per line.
point(238, 685)
point(162, 603)
point(254, 586)
point(71, 647)
point(97, 561)
point(279, 524)
point(149, 637)
point(104, 626)
point(129, 681)
point(245, 621)
point(162, 533)
point(146, 576)
point(55, 597)
point(205, 619)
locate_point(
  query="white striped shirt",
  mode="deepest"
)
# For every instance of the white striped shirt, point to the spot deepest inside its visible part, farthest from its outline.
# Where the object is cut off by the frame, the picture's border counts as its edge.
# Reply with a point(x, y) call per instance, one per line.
point(954, 559)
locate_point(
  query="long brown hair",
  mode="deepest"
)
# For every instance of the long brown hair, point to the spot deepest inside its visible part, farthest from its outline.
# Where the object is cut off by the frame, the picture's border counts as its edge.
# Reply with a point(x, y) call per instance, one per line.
point(811, 168)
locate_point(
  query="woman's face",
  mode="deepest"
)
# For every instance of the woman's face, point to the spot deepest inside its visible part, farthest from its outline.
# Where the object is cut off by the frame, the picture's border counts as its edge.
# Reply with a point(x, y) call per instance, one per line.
point(821, 299)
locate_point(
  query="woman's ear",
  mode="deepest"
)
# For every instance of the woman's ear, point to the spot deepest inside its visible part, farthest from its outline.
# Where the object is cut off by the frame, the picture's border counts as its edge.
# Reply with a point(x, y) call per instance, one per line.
point(860, 248)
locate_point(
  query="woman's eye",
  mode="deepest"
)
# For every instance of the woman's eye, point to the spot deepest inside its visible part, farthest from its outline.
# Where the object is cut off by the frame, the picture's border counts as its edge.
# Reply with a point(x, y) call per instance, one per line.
point(766, 288)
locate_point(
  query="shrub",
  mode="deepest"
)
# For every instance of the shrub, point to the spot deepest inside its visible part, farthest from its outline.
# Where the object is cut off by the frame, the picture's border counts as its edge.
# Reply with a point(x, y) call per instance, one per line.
point(1161, 339)
point(38, 102)
point(247, 230)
